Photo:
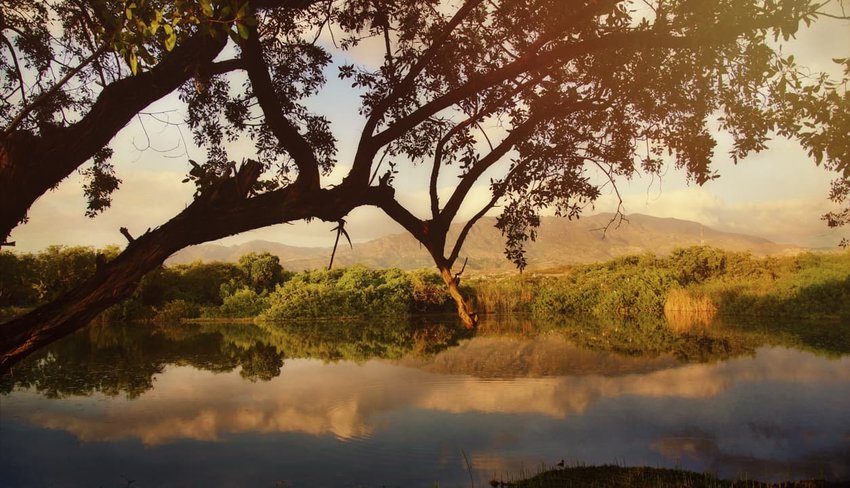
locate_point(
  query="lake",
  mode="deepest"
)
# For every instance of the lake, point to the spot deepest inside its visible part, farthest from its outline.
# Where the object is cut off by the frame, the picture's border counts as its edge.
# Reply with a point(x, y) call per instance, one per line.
point(419, 402)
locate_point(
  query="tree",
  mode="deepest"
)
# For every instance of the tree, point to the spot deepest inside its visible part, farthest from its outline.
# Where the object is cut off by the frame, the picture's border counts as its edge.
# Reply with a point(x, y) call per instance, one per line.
point(607, 84)
point(261, 271)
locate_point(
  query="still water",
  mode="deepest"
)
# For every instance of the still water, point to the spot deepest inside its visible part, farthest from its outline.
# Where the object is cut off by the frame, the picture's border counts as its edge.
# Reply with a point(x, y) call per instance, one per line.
point(410, 404)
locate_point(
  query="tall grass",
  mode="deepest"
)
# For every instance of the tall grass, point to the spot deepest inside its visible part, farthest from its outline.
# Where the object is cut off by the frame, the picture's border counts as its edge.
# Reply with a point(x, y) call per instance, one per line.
point(690, 288)
point(502, 295)
point(687, 309)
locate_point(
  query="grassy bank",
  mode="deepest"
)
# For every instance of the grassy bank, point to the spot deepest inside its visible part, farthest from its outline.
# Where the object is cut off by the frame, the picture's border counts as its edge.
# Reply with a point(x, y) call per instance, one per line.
point(691, 287)
point(644, 477)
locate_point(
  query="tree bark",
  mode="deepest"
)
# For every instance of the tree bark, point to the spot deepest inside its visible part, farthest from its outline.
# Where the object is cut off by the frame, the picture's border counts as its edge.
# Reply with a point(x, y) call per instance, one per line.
point(464, 311)
point(204, 220)
point(31, 164)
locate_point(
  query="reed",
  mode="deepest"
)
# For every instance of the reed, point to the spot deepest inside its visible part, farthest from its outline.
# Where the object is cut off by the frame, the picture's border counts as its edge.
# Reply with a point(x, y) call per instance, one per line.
point(502, 295)
point(688, 309)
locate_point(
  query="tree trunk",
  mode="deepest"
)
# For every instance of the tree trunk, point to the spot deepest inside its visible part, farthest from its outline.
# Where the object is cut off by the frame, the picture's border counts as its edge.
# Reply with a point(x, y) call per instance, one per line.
point(31, 164)
point(204, 220)
point(464, 311)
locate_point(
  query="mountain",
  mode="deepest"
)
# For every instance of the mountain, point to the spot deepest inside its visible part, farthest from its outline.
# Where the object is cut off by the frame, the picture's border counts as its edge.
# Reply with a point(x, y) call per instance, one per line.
point(559, 242)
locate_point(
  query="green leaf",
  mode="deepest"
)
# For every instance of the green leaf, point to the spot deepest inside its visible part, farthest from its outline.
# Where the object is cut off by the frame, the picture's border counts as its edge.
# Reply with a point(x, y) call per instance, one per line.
point(155, 23)
point(206, 7)
point(134, 63)
point(243, 30)
point(249, 20)
point(170, 41)
point(243, 12)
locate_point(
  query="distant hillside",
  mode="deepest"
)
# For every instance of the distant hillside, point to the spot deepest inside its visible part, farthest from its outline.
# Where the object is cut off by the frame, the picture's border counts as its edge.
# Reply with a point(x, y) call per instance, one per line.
point(560, 242)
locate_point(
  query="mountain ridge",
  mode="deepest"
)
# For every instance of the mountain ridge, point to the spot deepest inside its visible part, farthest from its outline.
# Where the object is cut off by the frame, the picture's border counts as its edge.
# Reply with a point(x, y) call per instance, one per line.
point(560, 242)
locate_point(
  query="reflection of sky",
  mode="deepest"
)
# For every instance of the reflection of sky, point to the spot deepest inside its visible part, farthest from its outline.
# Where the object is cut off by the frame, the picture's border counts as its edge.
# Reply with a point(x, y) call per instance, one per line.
point(781, 413)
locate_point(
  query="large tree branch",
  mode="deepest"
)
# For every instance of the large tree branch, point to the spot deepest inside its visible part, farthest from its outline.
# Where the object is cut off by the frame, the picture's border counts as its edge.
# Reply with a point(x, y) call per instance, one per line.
point(558, 55)
point(498, 192)
point(519, 133)
point(482, 165)
point(206, 219)
point(474, 119)
point(287, 134)
point(30, 165)
point(365, 151)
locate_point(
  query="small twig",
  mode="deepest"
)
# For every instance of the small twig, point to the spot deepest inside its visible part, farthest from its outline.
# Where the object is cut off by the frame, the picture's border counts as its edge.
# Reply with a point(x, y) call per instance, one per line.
point(126, 233)
point(52, 91)
point(462, 268)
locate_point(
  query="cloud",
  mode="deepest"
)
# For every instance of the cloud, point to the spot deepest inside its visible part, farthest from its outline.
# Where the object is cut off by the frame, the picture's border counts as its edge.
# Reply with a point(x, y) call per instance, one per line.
point(145, 199)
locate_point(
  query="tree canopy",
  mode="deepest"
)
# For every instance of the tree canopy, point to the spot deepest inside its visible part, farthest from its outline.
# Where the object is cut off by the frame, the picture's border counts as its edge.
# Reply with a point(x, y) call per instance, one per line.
point(612, 85)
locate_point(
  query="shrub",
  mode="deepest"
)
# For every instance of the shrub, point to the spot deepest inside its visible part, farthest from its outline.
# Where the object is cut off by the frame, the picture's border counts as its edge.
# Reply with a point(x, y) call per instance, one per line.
point(175, 310)
point(627, 287)
point(244, 302)
point(353, 292)
point(428, 293)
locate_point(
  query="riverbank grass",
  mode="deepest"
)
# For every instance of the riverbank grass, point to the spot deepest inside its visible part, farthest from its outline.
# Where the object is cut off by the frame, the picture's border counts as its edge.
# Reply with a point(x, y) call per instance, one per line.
point(612, 476)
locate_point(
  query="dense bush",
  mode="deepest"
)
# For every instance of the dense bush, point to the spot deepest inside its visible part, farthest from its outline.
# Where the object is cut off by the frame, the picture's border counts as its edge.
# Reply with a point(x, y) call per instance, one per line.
point(352, 292)
point(428, 293)
point(696, 279)
point(244, 302)
point(634, 286)
point(28, 279)
point(175, 310)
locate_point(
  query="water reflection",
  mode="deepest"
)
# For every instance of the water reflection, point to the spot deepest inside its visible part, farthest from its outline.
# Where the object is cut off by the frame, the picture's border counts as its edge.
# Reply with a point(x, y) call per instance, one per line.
point(395, 405)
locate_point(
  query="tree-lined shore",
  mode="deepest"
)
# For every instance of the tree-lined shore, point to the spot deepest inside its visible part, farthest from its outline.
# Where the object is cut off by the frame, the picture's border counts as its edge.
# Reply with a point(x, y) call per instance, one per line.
point(690, 285)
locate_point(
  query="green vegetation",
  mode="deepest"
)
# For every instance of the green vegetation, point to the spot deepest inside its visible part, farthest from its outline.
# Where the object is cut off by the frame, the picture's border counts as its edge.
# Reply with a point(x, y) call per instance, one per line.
point(255, 286)
point(690, 287)
point(28, 280)
point(643, 477)
point(122, 358)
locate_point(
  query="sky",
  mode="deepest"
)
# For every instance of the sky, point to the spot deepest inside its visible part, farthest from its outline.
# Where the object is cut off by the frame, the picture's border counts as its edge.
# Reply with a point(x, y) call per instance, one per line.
point(779, 194)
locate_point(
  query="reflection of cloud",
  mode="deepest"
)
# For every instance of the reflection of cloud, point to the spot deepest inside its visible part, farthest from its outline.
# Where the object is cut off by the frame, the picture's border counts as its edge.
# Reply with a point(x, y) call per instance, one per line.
point(344, 400)
point(708, 451)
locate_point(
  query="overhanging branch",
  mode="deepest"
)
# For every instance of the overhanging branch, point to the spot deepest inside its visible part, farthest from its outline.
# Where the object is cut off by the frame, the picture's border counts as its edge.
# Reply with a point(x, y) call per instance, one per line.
point(287, 134)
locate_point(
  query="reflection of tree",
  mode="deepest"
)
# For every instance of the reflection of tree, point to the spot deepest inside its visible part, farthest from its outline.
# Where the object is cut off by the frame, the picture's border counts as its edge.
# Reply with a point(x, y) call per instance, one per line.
point(114, 359)
point(123, 358)
point(649, 336)
point(261, 362)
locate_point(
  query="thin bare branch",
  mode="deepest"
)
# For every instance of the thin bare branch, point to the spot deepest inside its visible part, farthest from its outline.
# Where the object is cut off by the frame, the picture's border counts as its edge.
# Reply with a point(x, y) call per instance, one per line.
point(17, 68)
point(47, 94)
point(366, 150)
